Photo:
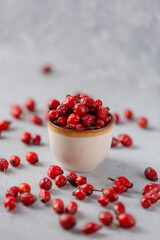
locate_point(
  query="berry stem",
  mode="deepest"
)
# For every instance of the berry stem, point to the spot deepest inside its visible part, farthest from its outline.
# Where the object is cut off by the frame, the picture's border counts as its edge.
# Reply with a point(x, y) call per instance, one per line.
point(111, 179)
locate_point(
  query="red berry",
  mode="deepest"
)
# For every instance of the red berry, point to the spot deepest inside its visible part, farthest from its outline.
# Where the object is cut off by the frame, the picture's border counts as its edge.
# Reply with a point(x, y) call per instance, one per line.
point(111, 194)
point(30, 104)
point(3, 165)
point(100, 123)
point(81, 180)
point(26, 137)
point(90, 228)
point(24, 187)
point(149, 187)
point(119, 187)
point(115, 142)
point(125, 140)
point(102, 113)
point(89, 102)
point(60, 181)
point(62, 110)
point(12, 192)
point(71, 178)
point(87, 188)
point(128, 114)
point(32, 157)
point(83, 95)
point(53, 171)
point(79, 194)
point(151, 174)
point(58, 205)
point(4, 125)
point(126, 220)
point(10, 203)
point(142, 122)
point(27, 198)
point(88, 119)
point(53, 104)
point(67, 221)
point(14, 161)
point(45, 183)
point(98, 103)
point(53, 114)
point(116, 117)
point(103, 200)
point(36, 139)
point(152, 196)
point(71, 207)
point(76, 127)
point(123, 180)
point(47, 69)
point(118, 208)
point(70, 101)
point(62, 120)
point(73, 119)
point(16, 111)
point(80, 109)
point(36, 119)
point(44, 195)
point(145, 202)
point(106, 218)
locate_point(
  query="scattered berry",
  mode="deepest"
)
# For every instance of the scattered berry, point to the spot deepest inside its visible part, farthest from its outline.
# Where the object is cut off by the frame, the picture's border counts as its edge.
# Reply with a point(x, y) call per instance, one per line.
point(90, 228)
point(53, 104)
point(142, 122)
point(151, 174)
point(149, 187)
point(45, 183)
point(145, 202)
point(79, 194)
point(118, 208)
point(60, 181)
point(98, 103)
point(106, 218)
point(81, 180)
point(36, 119)
point(116, 117)
point(14, 161)
point(53, 171)
point(16, 111)
point(115, 142)
point(24, 187)
point(3, 165)
point(111, 194)
point(27, 198)
point(53, 114)
point(128, 114)
point(103, 200)
point(71, 207)
point(32, 157)
point(36, 139)
point(44, 195)
point(62, 110)
point(47, 69)
point(119, 187)
point(4, 125)
point(26, 137)
point(58, 205)
point(30, 104)
point(67, 220)
point(71, 178)
point(126, 220)
point(10, 203)
point(125, 140)
point(87, 188)
point(122, 180)
point(152, 196)
point(12, 192)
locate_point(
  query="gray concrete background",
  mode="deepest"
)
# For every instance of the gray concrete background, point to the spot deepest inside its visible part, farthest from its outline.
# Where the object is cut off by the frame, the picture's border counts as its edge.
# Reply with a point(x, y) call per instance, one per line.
point(109, 49)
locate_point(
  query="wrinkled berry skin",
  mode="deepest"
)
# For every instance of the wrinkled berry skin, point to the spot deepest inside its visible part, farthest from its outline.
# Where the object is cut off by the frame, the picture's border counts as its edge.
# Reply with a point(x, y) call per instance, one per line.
point(71, 207)
point(71, 178)
point(53, 171)
point(88, 119)
point(119, 187)
point(90, 228)
point(3, 164)
point(126, 220)
point(58, 205)
point(81, 180)
point(27, 198)
point(12, 192)
point(45, 183)
point(124, 181)
point(67, 220)
point(9, 203)
point(151, 174)
point(111, 194)
point(150, 187)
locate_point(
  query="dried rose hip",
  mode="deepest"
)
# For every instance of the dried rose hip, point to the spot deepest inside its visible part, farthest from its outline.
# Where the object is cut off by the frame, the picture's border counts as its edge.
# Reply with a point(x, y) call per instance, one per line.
point(151, 174)
point(116, 117)
point(142, 122)
point(53, 104)
point(4, 125)
point(30, 104)
point(126, 220)
point(128, 114)
point(90, 227)
point(16, 111)
point(67, 220)
point(125, 140)
point(115, 142)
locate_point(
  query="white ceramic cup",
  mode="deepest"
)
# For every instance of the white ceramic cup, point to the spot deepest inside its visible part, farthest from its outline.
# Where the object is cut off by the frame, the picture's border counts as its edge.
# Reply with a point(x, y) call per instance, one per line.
point(80, 151)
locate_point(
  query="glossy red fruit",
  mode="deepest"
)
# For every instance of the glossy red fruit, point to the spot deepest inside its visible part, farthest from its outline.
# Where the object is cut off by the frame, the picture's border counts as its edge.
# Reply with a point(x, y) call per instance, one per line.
point(14, 161)
point(62, 110)
point(70, 101)
point(71, 178)
point(71, 207)
point(125, 140)
point(98, 103)
point(32, 157)
point(79, 194)
point(115, 142)
point(149, 187)
point(62, 121)
point(53, 171)
point(73, 119)
point(36, 119)
point(80, 109)
point(47, 69)
point(3, 165)
point(58, 205)
point(142, 122)
point(24, 187)
point(26, 137)
point(119, 187)
point(36, 139)
point(44, 195)
point(89, 102)
point(102, 113)
point(4, 125)
point(126, 220)
point(100, 123)
point(27, 198)
point(81, 180)
point(16, 111)
point(124, 181)
point(118, 208)
point(88, 119)
point(111, 194)
point(67, 220)
point(53, 114)
point(103, 200)
point(90, 227)
point(45, 183)
point(53, 104)
point(116, 117)
point(30, 104)
point(128, 114)
point(146, 202)
point(76, 127)
point(12, 192)
point(106, 218)
point(83, 95)
point(9, 203)
point(152, 196)
point(60, 181)
point(151, 174)
point(87, 188)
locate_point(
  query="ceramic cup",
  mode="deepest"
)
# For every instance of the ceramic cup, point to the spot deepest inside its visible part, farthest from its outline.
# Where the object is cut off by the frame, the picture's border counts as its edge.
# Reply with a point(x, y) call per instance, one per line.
point(80, 151)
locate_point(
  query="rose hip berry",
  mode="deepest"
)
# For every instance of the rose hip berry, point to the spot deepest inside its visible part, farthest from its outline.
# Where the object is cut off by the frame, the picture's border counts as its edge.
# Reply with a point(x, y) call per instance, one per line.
point(115, 142)
point(53, 104)
point(149, 187)
point(14, 161)
point(118, 208)
point(3, 165)
point(98, 103)
point(151, 174)
point(152, 196)
point(47, 69)
point(44, 195)
point(71, 207)
point(80, 109)
point(70, 101)
point(142, 122)
point(26, 137)
point(121, 183)
point(106, 218)
point(16, 111)
point(53, 171)
point(58, 205)
point(73, 119)
point(81, 180)
point(27, 198)
point(128, 114)
point(4, 125)
point(103, 200)
point(60, 181)
point(9, 203)
point(62, 110)
point(125, 140)
point(79, 194)
point(100, 123)
point(12, 192)
point(45, 183)
point(88, 119)
point(126, 220)
point(53, 115)
point(24, 187)
point(89, 102)
point(32, 157)
point(62, 120)
point(67, 220)
point(102, 113)
point(36, 119)
point(71, 178)
point(111, 194)
point(90, 227)
point(30, 104)
point(119, 187)
point(36, 139)
point(87, 188)
point(116, 117)
point(145, 202)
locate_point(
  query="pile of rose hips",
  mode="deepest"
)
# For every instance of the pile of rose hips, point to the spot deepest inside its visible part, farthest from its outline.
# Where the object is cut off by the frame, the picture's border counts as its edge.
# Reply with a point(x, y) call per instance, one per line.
point(79, 112)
